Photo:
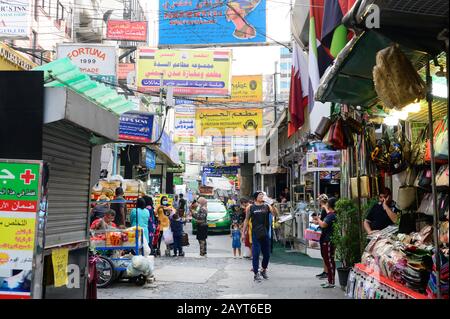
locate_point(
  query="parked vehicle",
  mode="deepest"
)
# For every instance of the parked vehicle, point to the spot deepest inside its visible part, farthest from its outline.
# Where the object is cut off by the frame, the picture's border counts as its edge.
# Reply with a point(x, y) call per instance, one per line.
point(219, 219)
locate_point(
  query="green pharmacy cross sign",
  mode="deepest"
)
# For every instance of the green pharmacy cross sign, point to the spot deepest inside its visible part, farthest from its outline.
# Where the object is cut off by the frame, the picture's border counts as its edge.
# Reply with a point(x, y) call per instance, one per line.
point(19, 186)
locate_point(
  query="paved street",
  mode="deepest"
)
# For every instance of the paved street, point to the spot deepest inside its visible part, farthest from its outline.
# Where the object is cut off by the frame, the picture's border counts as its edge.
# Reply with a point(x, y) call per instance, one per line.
point(223, 277)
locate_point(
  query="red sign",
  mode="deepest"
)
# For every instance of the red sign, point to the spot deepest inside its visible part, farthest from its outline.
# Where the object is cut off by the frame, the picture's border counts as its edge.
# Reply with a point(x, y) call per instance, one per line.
point(127, 30)
point(124, 70)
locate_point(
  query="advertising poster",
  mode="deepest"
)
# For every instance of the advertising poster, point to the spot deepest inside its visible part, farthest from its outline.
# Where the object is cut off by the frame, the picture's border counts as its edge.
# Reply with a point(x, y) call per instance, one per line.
point(150, 159)
point(323, 161)
point(229, 122)
point(19, 205)
point(124, 70)
point(126, 30)
point(185, 124)
point(15, 19)
point(189, 72)
point(136, 127)
point(206, 22)
point(97, 60)
point(244, 88)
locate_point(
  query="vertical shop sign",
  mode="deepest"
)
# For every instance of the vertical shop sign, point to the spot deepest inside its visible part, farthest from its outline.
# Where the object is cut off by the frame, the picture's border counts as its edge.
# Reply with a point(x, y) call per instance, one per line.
point(20, 183)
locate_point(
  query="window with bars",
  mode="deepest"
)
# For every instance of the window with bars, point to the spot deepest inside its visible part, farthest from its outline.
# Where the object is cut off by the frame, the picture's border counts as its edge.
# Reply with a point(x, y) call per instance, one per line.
point(60, 11)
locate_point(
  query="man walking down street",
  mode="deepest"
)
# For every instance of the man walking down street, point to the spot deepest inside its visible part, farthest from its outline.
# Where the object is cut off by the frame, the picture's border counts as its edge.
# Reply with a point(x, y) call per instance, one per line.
point(258, 214)
point(201, 218)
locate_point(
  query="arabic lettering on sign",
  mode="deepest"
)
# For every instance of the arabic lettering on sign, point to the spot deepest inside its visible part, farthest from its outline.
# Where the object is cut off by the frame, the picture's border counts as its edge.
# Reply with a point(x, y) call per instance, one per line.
point(18, 206)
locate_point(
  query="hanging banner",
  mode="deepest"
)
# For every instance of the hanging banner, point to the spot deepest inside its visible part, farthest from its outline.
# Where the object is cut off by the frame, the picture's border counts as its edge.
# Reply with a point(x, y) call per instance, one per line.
point(97, 60)
point(20, 183)
point(229, 122)
point(136, 127)
point(207, 22)
point(126, 30)
point(244, 88)
point(15, 19)
point(189, 72)
point(60, 260)
point(150, 159)
point(185, 124)
point(124, 70)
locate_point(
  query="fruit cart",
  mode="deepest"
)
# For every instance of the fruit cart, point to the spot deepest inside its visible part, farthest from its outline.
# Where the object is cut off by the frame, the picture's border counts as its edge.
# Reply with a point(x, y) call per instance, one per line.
point(110, 245)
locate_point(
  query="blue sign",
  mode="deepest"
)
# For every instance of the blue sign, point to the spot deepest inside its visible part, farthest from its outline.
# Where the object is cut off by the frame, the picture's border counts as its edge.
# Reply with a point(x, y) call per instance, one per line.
point(136, 127)
point(219, 171)
point(167, 146)
point(212, 21)
point(150, 159)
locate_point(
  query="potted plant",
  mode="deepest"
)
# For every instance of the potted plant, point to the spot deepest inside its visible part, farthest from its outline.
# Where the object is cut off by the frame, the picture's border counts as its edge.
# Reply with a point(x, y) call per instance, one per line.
point(345, 237)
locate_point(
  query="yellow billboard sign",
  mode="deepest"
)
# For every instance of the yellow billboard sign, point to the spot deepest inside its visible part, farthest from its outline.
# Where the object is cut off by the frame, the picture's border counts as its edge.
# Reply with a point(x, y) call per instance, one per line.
point(189, 72)
point(244, 88)
point(228, 122)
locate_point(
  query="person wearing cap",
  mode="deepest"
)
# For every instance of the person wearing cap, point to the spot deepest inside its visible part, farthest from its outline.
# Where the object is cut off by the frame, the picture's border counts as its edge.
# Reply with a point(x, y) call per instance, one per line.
point(100, 208)
point(259, 215)
point(323, 200)
point(327, 248)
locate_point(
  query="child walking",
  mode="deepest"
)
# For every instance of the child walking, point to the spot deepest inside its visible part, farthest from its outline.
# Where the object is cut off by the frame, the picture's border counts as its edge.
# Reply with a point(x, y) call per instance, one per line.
point(236, 236)
point(176, 225)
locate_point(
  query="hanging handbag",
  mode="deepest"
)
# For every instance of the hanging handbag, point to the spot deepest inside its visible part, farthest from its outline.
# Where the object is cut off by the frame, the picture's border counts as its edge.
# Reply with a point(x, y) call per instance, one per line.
point(440, 160)
point(323, 127)
point(443, 206)
point(364, 185)
point(406, 194)
point(348, 136)
point(441, 142)
point(337, 135)
point(354, 125)
point(396, 81)
point(423, 180)
point(426, 205)
point(442, 176)
point(419, 148)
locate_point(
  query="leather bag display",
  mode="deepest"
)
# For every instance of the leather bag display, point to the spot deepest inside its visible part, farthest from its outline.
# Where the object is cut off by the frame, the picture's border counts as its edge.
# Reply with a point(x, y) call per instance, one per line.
point(364, 184)
point(354, 125)
point(439, 131)
point(406, 193)
point(396, 81)
point(442, 176)
point(323, 127)
point(336, 136)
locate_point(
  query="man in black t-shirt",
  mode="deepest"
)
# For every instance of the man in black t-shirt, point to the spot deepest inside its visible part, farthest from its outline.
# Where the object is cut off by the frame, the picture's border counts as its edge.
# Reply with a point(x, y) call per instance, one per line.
point(258, 213)
point(382, 214)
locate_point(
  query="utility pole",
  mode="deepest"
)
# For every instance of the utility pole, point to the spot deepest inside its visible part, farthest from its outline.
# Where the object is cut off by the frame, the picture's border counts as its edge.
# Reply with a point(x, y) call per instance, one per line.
point(275, 92)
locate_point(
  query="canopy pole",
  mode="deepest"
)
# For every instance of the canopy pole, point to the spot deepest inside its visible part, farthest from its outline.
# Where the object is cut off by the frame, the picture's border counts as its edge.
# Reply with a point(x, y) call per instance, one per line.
point(433, 180)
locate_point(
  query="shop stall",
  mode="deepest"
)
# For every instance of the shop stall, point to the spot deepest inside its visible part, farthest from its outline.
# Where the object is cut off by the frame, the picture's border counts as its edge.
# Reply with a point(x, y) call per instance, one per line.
point(395, 136)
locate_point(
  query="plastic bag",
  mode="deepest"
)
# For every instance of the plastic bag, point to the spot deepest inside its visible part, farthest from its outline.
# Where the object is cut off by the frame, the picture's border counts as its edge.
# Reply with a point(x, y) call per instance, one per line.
point(140, 265)
point(247, 252)
point(168, 236)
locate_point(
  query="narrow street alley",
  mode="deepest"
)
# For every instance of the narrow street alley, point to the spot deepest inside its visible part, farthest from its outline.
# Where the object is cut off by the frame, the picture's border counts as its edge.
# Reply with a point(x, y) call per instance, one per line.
point(223, 277)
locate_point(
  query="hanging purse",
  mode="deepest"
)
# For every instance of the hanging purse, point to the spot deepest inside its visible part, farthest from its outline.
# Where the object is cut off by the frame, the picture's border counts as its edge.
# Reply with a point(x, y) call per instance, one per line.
point(396, 81)
point(364, 184)
point(406, 194)
point(423, 180)
point(337, 135)
point(443, 206)
point(426, 206)
point(442, 176)
point(440, 160)
point(419, 148)
point(354, 125)
point(323, 127)
point(441, 142)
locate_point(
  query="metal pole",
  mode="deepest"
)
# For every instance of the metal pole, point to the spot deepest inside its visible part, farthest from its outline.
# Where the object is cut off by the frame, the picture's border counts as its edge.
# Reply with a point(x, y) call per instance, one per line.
point(433, 181)
point(275, 92)
point(115, 151)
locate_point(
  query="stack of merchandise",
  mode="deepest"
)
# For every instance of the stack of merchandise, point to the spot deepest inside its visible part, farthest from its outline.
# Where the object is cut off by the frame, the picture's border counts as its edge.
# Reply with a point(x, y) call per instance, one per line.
point(432, 285)
point(405, 259)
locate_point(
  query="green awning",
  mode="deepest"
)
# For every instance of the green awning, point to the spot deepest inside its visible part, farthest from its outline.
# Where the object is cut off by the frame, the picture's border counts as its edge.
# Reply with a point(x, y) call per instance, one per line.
point(349, 80)
point(63, 73)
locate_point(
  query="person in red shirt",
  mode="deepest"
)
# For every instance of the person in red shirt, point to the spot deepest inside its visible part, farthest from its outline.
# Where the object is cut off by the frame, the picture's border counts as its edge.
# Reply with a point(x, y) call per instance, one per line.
point(106, 222)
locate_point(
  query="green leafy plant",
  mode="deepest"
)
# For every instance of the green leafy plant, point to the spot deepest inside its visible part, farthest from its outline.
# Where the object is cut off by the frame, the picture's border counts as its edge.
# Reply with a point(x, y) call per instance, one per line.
point(346, 232)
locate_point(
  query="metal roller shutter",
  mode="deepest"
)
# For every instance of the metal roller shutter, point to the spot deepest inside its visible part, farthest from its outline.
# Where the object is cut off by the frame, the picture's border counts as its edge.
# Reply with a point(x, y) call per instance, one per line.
point(68, 151)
